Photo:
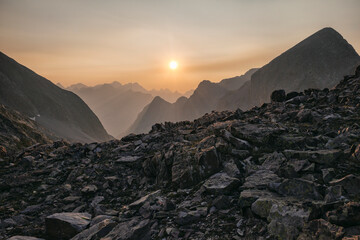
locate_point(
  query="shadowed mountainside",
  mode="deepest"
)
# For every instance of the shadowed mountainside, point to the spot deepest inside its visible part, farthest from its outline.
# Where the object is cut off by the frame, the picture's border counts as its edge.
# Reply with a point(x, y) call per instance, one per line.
point(58, 110)
point(319, 61)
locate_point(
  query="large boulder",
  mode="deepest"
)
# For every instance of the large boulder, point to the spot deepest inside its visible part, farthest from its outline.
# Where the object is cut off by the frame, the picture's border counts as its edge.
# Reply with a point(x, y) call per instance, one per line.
point(321, 229)
point(326, 157)
point(96, 231)
point(260, 179)
point(299, 188)
point(248, 196)
point(130, 230)
point(346, 215)
point(278, 96)
point(66, 225)
point(350, 183)
point(208, 162)
point(221, 183)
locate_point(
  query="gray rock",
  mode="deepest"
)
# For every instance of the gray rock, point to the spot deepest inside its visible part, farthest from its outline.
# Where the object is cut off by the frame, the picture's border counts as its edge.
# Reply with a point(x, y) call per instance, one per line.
point(185, 218)
point(150, 197)
point(24, 238)
point(350, 183)
point(299, 188)
point(131, 230)
point(220, 183)
point(128, 159)
point(66, 225)
point(326, 157)
point(208, 162)
point(96, 231)
point(328, 174)
point(278, 96)
point(260, 179)
point(248, 196)
point(100, 218)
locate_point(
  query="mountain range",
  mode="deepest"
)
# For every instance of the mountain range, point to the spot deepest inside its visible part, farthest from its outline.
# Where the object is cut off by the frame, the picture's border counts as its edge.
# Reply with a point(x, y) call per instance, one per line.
point(319, 61)
point(204, 99)
point(117, 105)
point(60, 111)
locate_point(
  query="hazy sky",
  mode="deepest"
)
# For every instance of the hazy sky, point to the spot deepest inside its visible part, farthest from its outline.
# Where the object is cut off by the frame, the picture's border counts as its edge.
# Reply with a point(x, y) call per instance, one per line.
point(92, 42)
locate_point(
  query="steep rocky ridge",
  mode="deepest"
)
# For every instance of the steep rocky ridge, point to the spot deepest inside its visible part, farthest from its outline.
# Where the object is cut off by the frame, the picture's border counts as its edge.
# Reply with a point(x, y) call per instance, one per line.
point(58, 110)
point(319, 61)
point(286, 170)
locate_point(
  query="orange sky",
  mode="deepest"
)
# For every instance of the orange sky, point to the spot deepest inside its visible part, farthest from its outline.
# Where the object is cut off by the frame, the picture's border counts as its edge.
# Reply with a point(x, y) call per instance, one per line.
point(133, 41)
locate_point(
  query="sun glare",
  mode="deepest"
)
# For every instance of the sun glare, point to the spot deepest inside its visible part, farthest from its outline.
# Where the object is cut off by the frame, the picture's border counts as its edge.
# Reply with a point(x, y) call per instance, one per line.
point(173, 65)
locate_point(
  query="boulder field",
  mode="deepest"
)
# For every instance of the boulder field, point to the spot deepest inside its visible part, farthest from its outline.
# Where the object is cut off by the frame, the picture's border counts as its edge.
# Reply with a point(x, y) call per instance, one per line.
point(289, 169)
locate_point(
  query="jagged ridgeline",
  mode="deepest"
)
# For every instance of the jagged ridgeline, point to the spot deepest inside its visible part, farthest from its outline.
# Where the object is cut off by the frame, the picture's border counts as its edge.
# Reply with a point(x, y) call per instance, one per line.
point(319, 61)
point(60, 111)
point(286, 170)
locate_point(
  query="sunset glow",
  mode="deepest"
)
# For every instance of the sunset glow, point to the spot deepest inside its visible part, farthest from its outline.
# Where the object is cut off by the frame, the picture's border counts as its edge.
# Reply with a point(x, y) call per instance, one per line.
point(173, 65)
point(95, 42)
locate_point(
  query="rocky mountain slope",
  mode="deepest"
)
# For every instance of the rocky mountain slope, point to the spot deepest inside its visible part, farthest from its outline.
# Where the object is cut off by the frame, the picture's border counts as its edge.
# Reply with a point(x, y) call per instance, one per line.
point(18, 132)
point(286, 170)
point(58, 110)
point(117, 105)
point(204, 99)
point(319, 61)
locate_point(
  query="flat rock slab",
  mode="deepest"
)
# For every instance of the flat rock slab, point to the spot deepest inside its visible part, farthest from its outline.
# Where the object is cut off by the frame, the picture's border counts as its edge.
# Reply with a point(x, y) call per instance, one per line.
point(261, 179)
point(24, 238)
point(66, 225)
point(221, 183)
point(131, 230)
point(97, 231)
point(128, 159)
point(326, 156)
point(150, 197)
point(299, 188)
point(248, 196)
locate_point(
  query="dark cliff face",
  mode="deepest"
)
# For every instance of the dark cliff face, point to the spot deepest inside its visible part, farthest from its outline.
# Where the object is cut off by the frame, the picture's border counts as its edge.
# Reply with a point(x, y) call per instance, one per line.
point(286, 170)
point(319, 61)
point(61, 111)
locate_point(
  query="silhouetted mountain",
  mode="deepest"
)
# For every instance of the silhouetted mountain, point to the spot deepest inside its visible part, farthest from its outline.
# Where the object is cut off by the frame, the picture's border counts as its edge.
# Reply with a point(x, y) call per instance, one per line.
point(60, 85)
point(204, 99)
point(319, 61)
point(76, 87)
point(117, 105)
point(56, 109)
point(237, 82)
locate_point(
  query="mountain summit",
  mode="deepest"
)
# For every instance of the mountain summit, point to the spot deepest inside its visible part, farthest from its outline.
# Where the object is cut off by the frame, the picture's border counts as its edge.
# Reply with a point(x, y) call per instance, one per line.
point(58, 110)
point(319, 61)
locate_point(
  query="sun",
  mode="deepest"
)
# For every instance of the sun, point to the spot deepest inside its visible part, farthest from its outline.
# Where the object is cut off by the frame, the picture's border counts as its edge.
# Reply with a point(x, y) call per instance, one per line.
point(173, 65)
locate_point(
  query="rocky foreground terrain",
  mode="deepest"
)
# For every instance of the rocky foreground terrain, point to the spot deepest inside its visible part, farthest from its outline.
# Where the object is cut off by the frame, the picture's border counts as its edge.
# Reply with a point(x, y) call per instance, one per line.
point(289, 169)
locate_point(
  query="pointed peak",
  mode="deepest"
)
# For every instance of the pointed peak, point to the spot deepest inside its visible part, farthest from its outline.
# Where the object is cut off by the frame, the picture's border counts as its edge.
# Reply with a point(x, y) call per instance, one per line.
point(158, 99)
point(327, 32)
